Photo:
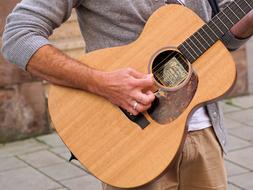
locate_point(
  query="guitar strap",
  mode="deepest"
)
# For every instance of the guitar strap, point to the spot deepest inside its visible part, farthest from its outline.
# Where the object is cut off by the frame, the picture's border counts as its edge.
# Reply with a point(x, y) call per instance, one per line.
point(215, 7)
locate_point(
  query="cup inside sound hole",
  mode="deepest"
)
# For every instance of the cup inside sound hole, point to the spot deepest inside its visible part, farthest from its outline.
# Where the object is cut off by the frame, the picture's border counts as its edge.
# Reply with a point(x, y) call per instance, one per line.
point(170, 69)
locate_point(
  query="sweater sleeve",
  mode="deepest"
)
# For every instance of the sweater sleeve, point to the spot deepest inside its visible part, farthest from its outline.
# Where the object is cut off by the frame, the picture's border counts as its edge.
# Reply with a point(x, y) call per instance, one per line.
point(29, 25)
point(229, 40)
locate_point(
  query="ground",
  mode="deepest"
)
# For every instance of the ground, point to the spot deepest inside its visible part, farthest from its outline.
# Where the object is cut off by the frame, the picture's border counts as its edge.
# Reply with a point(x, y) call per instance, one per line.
point(41, 163)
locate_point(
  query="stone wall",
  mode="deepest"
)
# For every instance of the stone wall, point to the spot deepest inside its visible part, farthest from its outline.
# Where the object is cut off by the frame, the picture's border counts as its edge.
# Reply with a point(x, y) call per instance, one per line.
point(22, 98)
point(23, 103)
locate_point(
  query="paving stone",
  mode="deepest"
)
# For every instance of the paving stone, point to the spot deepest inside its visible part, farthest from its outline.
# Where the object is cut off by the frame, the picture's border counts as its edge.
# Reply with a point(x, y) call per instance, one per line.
point(243, 132)
point(42, 159)
point(232, 187)
point(86, 182)
point(235, 143)
point(243, 116)
point(52, 140)
point(244, 181)
point(233, 169)
point(78, 164)
point(228, 107)
point(250, 123)
point(11, 163)
point(230, 124)
point(63, 171)
point(243, 101)
point(60, 150)
point(65, 155)
point(26, 179)
point(20, 147)
point(242, 157)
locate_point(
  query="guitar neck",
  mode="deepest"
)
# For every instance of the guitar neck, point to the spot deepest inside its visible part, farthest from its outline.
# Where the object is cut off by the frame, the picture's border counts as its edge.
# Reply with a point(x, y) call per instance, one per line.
point(207, 35)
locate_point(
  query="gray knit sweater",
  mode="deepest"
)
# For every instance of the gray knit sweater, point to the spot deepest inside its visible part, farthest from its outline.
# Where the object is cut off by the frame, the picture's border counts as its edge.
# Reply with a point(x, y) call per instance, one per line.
point(103, 23)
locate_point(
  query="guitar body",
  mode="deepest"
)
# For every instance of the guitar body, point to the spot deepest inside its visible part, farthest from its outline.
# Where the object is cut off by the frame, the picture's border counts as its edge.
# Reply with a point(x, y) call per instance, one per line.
point(113, 148)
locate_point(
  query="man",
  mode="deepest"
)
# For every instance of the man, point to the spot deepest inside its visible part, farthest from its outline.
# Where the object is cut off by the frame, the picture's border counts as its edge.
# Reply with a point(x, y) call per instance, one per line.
point(112, 23)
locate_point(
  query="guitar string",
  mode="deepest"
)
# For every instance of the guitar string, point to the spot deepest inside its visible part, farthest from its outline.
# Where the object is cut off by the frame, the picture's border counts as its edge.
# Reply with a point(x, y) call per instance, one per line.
point(185, 48)
point(161, 74)
point(222, 15)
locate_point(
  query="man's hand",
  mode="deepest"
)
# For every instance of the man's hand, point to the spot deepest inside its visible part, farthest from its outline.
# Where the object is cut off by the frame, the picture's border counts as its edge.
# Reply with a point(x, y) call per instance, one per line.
point(128, 89)
point(244, 28)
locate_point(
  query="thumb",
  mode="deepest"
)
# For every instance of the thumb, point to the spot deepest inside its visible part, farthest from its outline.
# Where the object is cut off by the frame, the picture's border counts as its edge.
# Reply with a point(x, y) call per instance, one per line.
point(137, 74)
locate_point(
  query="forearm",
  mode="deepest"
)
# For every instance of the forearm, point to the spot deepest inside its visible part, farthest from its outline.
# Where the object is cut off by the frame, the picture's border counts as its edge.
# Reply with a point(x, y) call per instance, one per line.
point(54, 66)
point(122, 87)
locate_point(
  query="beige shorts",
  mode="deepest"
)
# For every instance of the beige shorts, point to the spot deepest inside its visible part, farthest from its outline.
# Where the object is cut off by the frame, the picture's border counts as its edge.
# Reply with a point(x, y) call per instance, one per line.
point(200, 166)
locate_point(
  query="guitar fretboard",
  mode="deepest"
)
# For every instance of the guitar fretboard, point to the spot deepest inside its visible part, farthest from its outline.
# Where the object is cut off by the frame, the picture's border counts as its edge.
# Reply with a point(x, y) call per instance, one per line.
point(207, 35)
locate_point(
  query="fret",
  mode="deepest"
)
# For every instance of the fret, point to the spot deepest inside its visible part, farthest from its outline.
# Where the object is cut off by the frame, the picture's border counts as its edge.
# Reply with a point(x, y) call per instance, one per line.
point(186, 52)
point(234, 14)
point(231, 18)
point(240, 8)
point(222, 23)
point(191, 48)
point(215, 28)
point(208, 34)
point(194, 38)
point(207, 29)
point(239, 13)
point(203, 39)
point(194, 44)
point(204, 35)
point(248, 4)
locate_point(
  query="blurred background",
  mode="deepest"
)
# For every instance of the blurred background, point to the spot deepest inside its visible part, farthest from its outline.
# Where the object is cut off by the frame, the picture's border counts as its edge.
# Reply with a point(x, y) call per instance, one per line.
point(23, 108)
point(24, 115)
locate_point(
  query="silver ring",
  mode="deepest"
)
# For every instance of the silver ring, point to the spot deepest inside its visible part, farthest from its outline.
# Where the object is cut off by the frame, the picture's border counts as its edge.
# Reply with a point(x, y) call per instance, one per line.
point(135, 105)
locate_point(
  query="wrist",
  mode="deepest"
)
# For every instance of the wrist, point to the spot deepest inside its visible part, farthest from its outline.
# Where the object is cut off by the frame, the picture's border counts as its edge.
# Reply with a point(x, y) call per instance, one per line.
point(98, 82)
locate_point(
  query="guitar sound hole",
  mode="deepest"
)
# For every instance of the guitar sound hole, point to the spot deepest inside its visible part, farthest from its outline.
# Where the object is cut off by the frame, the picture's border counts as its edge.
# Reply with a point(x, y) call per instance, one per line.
point(170, 69)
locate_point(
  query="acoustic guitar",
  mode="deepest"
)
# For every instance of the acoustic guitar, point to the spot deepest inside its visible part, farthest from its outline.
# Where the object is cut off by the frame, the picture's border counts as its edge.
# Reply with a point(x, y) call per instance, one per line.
point(191, 68)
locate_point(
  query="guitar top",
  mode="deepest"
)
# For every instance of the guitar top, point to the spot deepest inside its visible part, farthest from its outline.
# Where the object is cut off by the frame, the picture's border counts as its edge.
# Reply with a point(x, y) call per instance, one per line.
point(191, 67)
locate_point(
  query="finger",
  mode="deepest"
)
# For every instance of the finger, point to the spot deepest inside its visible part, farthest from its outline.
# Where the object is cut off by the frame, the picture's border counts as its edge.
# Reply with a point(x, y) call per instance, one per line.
point(132, 111)
point(137, 74)
point(141, 108)
point(145, 83)
point(150, 93)
point(145, 98)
